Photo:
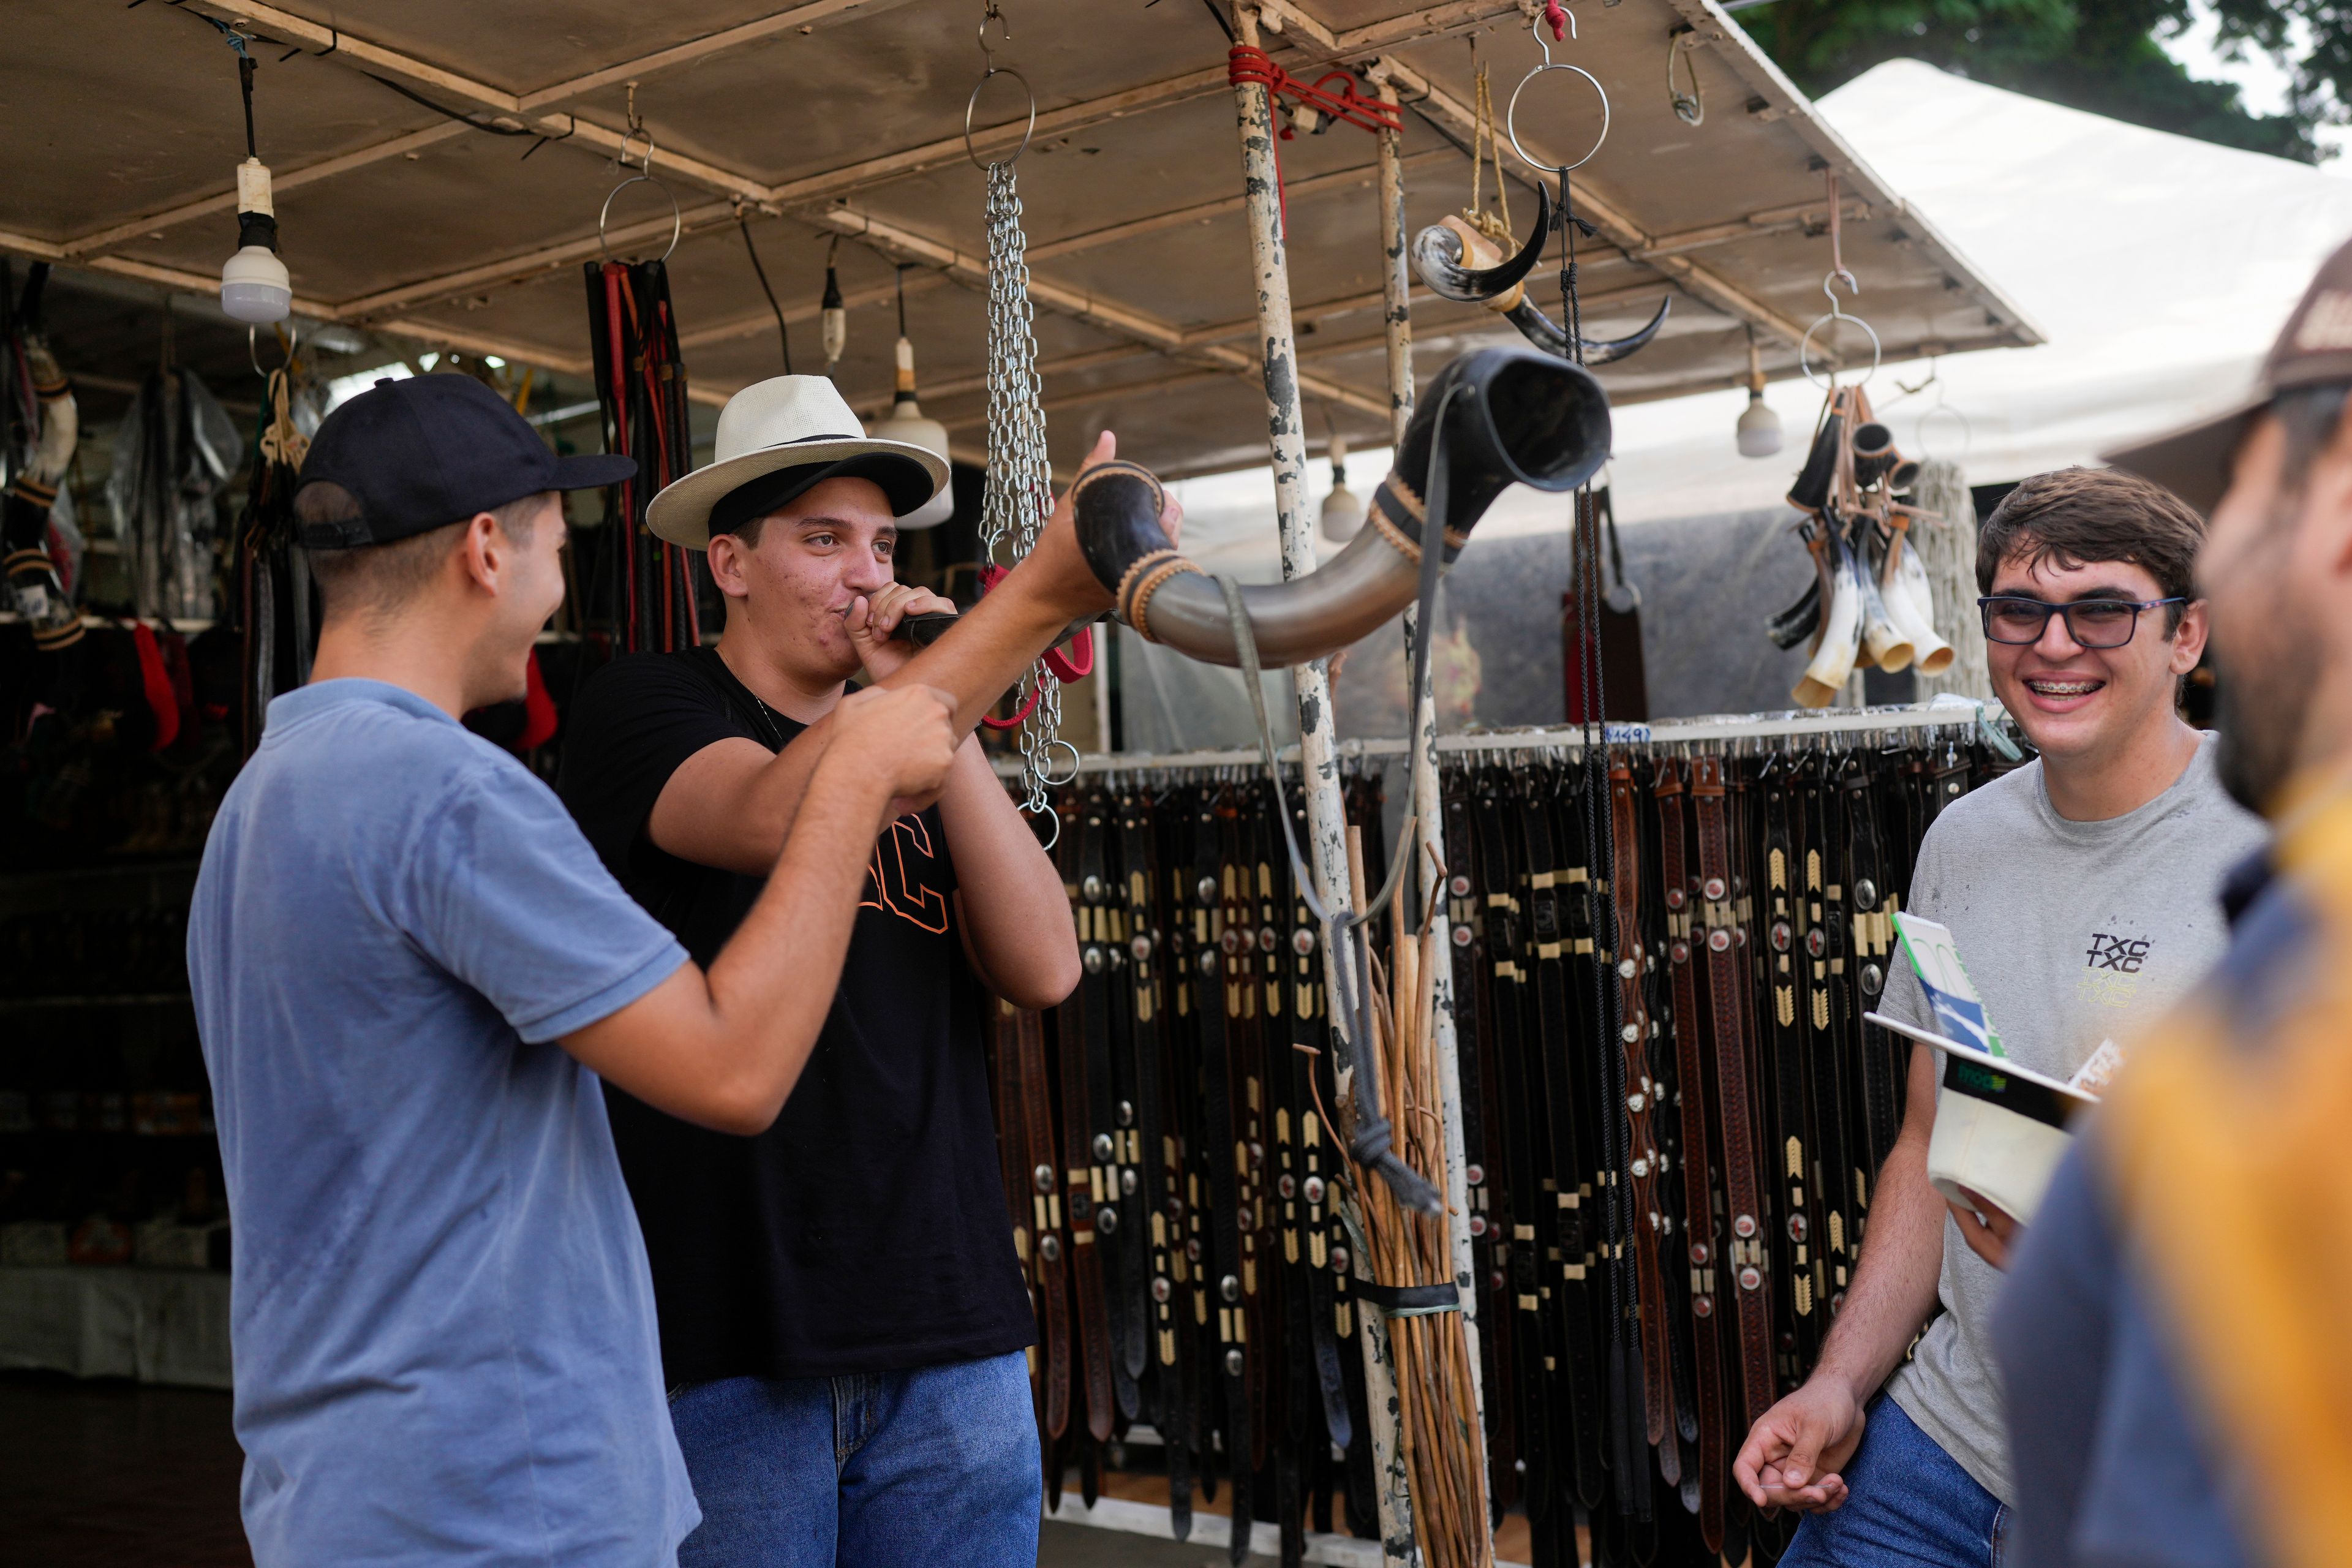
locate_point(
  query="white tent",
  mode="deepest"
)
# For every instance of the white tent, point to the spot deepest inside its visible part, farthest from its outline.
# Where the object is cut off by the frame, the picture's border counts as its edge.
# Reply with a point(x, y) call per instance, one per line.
point(2159, 265)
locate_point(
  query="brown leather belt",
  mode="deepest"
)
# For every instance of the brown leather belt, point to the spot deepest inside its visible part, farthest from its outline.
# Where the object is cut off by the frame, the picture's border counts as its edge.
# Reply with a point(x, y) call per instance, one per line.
point(1079, 1190)
point(1012, 1149)
point(1698, 1203)
point(1750, 1306)
point(1043, 1184)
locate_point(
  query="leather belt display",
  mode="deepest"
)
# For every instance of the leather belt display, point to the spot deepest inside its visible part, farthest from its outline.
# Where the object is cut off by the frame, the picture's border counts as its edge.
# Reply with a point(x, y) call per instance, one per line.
point(1644, 1163)
point(1671, 1120)
point(1745, 1262)
point(1678, 892)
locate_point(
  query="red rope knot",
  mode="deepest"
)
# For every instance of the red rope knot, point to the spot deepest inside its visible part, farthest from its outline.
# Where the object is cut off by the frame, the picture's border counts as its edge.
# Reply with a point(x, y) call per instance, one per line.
point(1555, 16)
point(1247, 64)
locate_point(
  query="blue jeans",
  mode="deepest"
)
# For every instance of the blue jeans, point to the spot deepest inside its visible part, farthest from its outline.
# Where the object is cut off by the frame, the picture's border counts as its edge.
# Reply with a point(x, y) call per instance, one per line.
point(1907, 1503)
point(935, 1465)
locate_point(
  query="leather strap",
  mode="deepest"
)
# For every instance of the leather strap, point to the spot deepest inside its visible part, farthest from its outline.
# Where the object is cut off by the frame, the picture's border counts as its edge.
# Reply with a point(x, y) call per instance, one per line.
point(1481, 1139)
point(1155, 1159)
point(1045, 1185)
point(1876, 899)
point(1012, 1150)
point(1330, 1319)
point(1678, 888)
point(1221, 1146)
point(1080, 1177)
point(1574, 1250)
point(1644, 1163)
point(1750, 1307)
point(1527, 1224)
point(1110, 1089)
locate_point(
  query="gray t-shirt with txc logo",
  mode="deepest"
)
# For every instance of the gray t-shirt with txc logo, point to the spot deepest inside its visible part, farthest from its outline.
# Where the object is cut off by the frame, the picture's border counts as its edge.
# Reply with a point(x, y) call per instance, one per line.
point(2074, 933)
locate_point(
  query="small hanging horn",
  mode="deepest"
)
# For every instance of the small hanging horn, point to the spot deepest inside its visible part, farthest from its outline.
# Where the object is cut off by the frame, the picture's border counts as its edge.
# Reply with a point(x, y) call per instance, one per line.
point(1443, 252)
point(1546, 334)
point(1839, 642)
point(1519, 416)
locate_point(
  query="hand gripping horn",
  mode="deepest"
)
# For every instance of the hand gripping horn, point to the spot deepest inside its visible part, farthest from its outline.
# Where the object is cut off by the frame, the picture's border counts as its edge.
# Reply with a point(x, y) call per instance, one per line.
point(1441, 254)
point(1512, 416)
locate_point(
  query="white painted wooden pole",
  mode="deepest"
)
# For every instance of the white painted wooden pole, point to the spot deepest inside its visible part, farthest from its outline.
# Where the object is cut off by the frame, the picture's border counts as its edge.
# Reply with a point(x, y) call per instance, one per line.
point(1396, 282)
point(1327, 822)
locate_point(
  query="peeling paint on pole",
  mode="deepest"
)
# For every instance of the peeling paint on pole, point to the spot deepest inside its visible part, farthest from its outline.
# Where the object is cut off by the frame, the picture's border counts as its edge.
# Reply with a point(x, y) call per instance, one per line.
point(1327, 825)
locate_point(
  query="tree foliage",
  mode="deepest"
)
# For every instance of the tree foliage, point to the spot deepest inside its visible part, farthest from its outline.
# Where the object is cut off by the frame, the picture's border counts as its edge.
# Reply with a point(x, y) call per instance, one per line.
point(2102, 56)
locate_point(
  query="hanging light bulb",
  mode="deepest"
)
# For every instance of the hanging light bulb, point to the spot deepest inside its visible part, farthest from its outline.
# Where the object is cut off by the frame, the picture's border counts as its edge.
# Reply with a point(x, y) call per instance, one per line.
point(1343, 513)
point(836, 315)
point(254, 285)
point(906, 423)
point(1759, 430)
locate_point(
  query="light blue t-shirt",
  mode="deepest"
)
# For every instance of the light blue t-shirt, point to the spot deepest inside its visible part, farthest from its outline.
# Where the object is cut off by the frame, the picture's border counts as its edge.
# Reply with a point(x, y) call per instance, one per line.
point(441, 1315)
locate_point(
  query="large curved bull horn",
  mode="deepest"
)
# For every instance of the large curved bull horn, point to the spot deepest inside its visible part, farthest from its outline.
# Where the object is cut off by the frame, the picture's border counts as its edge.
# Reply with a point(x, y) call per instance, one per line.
point(1517, 417)
point(1546, 333)
point(1442, 257)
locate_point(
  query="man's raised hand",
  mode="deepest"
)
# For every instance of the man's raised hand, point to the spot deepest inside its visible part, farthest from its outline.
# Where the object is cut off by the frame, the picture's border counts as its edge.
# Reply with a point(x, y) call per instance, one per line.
point(1060, 568)
point(905, 734)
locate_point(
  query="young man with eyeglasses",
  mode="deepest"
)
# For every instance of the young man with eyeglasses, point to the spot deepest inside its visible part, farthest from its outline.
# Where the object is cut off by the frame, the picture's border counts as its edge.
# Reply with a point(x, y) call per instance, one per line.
point(2170, 1336)
point(2083, 890)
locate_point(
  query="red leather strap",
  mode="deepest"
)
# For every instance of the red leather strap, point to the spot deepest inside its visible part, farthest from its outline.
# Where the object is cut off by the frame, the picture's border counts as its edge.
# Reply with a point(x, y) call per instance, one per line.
point(1698, 1204)
point(1751, 1309)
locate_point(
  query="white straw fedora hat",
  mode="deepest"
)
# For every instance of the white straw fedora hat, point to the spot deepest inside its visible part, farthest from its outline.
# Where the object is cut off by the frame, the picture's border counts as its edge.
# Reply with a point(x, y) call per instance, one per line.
point(777, 438)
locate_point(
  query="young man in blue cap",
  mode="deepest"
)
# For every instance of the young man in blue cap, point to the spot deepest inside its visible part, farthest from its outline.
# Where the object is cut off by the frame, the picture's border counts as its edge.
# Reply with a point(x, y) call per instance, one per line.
point(410, 972)
point(843, 1316)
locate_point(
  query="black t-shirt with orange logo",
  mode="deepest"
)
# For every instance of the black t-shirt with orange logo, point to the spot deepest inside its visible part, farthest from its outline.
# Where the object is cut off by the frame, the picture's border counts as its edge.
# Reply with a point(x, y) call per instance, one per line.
point(865, 1231)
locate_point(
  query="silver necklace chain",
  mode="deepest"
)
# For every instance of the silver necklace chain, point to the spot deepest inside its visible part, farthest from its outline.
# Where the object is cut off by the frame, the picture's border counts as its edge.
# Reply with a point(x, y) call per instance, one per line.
point(1020, 494)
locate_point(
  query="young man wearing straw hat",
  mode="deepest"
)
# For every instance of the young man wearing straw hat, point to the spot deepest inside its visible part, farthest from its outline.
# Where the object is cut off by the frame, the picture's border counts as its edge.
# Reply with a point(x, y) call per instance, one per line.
point(2082, 889)
point(842, 1314)
point(409, 973)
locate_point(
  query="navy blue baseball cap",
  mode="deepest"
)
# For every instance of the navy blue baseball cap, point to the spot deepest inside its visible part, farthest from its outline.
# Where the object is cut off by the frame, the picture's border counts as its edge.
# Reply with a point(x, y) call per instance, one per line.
point(427, 452)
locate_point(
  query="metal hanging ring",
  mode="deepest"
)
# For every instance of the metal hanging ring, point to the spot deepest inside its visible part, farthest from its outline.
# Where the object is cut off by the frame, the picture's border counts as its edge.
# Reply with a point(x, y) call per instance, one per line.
point(1050, 814)
point(1045, 774)
point(1511, 114)
point(972, 103)
point(253, 347)
point(1805, 343)
point(1968, 429)
point(676, 216)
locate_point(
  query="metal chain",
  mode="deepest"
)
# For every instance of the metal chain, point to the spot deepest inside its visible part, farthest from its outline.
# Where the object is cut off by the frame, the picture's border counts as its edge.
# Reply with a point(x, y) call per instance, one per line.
point(1020, 495)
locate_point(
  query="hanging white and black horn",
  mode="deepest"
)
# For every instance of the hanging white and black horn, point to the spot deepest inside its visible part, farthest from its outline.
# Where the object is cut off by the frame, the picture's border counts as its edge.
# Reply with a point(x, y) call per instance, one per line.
point(33, 587)
point(1512, 416)
point(1811, 493)
point(1443, 254)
